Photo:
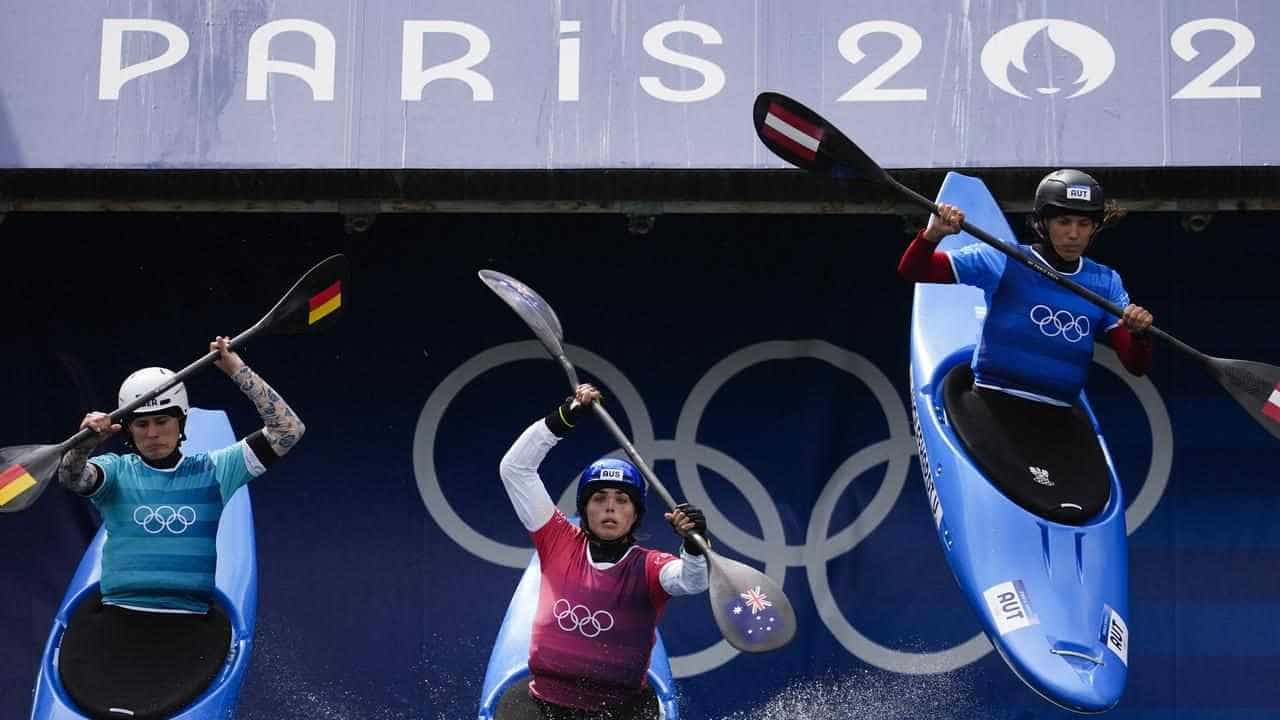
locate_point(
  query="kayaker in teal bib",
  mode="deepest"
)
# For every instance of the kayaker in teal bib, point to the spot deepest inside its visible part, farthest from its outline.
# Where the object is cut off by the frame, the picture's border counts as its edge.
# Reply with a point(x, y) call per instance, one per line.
point(1037, 338)
point(156, 625)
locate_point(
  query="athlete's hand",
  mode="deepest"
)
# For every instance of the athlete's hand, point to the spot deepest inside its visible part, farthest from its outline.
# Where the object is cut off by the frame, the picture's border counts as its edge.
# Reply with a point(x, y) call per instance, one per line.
point(1136, 318)
point(228, 361)
point(585, 395)
point(687, 520)
point(100, 423)
point(946, 222)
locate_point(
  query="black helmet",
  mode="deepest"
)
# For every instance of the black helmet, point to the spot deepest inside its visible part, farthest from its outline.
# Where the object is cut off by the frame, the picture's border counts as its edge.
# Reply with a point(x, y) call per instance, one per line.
point(1068, 192)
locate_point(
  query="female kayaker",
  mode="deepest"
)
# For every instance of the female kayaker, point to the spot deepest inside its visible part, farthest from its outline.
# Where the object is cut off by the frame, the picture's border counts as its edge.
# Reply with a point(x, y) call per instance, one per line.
point(1037, 338)
point(602, 594)
point(154, 639)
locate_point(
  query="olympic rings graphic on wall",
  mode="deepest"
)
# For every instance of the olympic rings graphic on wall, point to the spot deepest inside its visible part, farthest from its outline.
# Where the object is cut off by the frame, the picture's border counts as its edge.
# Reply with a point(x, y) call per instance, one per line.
point(770, 548)
point(1072, 328)
point(571, 617)
point(164, 517)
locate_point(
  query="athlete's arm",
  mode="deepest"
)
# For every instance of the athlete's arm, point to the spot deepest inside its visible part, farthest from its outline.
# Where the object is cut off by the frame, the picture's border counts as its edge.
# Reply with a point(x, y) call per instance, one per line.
point(75, 472)
point(281, 427)
point(686, 576)
point(922, 262)
point(519, 466)
point(1134, 350)
point(519, 470)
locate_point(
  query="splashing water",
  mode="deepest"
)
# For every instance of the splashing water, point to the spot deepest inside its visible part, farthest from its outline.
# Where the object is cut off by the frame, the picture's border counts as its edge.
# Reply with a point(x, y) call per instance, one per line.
point(870, 695)
point(283, 684)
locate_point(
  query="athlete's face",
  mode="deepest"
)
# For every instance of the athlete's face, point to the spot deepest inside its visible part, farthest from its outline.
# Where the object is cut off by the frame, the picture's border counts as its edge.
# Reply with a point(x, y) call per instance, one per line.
point(155, 436)
point(1070, 235)
point(610, 513)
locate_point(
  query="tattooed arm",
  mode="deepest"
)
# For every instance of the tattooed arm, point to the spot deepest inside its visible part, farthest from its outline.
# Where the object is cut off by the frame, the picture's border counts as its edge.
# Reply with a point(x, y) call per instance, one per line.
point(281, 427)
point(75, 473)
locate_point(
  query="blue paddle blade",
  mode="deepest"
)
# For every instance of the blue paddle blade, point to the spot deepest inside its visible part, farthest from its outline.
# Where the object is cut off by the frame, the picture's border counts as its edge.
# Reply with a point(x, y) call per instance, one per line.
point(531, 308)
point(803, 138)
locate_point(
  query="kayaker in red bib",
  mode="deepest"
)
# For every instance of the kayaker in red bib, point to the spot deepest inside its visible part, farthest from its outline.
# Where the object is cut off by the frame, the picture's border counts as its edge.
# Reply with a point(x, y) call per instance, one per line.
point(602, 594)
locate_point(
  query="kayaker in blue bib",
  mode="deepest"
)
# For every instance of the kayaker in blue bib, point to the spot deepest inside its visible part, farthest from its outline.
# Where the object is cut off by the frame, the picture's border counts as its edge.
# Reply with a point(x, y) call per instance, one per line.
point(155, 638)
point(1016, 405)
point(1037, 338)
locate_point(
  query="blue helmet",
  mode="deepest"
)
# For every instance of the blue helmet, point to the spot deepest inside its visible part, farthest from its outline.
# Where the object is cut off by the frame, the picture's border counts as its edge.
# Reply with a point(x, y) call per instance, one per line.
point(607, 473)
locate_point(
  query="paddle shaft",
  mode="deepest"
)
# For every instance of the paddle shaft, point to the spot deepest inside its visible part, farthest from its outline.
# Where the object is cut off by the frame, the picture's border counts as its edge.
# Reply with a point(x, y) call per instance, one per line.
point(86, 433)
point(1049, 272)
point(572, 374)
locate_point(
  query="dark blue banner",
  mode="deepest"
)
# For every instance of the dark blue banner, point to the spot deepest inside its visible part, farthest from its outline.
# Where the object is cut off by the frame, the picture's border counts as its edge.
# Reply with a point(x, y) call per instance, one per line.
point(760, 361)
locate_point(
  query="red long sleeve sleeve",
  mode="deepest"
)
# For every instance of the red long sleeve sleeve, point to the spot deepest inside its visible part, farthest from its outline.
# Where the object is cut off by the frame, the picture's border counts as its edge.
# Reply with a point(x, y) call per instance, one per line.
point(922, 262)
point(1134, 351)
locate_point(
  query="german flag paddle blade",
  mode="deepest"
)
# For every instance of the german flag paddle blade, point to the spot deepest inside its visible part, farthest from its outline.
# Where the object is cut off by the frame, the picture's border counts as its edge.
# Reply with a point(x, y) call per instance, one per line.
point(315, 302)
point(25, 472)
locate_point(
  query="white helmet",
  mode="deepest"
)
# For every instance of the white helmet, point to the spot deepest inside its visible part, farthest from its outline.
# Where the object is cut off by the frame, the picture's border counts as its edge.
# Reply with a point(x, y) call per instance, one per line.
point(146, 380)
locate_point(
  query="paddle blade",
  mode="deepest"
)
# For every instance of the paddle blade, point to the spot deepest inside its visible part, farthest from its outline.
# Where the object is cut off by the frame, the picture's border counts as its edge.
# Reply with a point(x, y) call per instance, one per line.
point(1255, 385)
point(25, 471)
point(803, 138)
point(531, 308)
point(753, 613)
point(314, 303)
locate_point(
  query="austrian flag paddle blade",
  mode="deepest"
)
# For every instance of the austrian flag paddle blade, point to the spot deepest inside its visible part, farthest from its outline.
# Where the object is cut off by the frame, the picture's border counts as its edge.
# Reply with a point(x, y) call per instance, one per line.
point(1255, 385)
point(791, 132)
point(803, 138)
point(1271, 408)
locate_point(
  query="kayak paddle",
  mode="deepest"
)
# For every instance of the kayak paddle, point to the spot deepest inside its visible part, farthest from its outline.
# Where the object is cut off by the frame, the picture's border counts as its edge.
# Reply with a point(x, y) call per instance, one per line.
point(803, 138)
point(312, 304)
point(749, 607)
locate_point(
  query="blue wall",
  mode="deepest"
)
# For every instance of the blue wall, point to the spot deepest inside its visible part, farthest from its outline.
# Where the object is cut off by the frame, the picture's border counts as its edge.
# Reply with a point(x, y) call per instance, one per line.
point(369, 608)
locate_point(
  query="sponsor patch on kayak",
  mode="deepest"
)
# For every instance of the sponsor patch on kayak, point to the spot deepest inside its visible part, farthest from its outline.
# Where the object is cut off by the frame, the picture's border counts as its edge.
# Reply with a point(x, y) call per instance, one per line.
point(935, 502)
point(1079, 192)
point(1010, 607)
point(1115, 633)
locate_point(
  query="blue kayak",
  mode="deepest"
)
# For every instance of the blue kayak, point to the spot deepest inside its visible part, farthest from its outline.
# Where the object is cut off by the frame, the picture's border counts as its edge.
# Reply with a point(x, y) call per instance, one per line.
point(1047, 576)
point(236, 594)
point(509, 661)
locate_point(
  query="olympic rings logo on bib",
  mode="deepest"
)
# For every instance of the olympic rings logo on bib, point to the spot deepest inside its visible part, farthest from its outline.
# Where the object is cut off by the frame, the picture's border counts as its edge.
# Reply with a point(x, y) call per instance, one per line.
point(1072, 328)
point(164, 517)
point(572, 617)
